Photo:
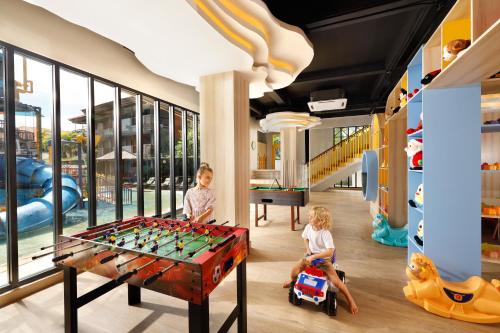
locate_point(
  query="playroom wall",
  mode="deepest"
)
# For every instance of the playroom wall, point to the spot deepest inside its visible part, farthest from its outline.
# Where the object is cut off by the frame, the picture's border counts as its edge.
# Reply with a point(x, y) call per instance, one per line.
point(35, 29)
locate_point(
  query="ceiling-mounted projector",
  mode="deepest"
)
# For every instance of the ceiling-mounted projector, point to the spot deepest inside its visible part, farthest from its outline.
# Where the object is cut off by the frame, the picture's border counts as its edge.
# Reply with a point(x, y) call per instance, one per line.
point(326, 100)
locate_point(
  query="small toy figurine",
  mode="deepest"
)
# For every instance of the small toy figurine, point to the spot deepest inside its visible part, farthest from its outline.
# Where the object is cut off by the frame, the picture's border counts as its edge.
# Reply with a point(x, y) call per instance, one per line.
point(142, 224)
point(419, 237)
point(418, 202)
point(155, 224)
point(176, 236)
point(180, 246)
point(403, 99)
point(112, 239)
point(430, 76)
point(107, 234)
point(141, 244)
point(150, 232)
point(122, 242)
point(474, 300)
point(137, 230)
point(154, 247)
point(453, 48)
point(415, 153)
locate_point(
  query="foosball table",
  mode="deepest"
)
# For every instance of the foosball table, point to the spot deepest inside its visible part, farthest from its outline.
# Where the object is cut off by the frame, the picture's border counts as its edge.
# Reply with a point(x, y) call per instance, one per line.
point(176, 258)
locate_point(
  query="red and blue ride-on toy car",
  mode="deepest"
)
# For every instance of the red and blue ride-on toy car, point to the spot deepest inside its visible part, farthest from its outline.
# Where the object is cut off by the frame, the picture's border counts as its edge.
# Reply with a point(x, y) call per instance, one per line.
point(312, 285)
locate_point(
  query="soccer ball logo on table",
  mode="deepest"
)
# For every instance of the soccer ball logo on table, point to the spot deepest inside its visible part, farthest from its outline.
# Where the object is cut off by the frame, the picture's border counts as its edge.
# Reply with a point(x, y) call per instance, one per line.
point(217, 274)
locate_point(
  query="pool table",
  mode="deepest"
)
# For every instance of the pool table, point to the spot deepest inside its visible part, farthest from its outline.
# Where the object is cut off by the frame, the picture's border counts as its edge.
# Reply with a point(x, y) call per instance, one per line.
point(293, 197)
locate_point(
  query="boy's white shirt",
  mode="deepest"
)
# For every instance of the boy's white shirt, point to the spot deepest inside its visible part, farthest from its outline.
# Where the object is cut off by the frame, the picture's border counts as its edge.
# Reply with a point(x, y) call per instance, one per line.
point(319, 240)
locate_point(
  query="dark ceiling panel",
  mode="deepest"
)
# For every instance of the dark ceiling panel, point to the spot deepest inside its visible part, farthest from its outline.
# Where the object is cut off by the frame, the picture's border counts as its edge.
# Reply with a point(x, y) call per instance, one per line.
point(361, 46)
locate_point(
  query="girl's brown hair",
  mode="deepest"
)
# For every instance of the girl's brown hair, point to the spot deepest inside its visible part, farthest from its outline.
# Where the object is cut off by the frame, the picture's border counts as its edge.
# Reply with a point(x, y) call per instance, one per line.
point(204, 167)
point(323, 215)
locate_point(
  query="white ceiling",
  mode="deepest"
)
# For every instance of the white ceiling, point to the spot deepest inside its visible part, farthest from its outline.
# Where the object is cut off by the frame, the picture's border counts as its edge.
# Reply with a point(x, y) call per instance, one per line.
point(175, 40)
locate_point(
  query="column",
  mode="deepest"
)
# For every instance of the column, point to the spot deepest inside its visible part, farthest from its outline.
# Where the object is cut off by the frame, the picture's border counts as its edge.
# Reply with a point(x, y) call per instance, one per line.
point(291, 161)
point(225, 143)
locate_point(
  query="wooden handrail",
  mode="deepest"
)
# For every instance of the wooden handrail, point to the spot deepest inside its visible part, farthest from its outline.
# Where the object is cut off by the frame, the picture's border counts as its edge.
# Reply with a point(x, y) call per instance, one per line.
point(337, 156)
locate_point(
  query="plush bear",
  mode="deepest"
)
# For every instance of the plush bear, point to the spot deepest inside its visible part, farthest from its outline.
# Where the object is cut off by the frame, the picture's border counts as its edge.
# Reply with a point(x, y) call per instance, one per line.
point(454, 47)
point(414, 152)
point(419, 237)
point(416, 129)
point(418, 201)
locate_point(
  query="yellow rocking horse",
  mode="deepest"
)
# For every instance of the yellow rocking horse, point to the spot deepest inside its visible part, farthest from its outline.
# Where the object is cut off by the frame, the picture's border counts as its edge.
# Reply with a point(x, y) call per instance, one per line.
point(474, 300)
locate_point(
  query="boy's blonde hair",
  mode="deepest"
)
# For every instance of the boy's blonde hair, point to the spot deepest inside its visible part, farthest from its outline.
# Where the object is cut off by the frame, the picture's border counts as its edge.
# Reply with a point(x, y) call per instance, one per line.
point(323, 215)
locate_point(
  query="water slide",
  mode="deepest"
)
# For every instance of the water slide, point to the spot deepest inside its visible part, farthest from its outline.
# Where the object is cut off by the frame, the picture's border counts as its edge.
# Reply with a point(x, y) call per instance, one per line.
point(37, 211)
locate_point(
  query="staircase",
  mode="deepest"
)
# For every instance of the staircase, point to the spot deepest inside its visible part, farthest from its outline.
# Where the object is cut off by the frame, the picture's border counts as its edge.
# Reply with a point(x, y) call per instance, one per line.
point(339, 161)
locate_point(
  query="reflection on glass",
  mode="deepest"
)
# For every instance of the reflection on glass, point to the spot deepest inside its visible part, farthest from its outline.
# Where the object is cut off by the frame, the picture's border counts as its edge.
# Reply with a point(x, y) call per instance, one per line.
point(179, 180)
point(3, 215)
point(129, 154)
point(74, 160)
point(148, 156)
point(33, 120)
point(104, 152)
point(198, 146)
point(190, 149)
point(165, 158)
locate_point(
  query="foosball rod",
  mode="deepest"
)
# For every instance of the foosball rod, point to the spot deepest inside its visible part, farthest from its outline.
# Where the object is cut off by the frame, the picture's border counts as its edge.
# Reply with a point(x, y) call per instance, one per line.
point(158, 274)
point(134, 271)
point(70, 254)
point(70, 240)
point(51, 252)
point(142, 254)
point(114, 255)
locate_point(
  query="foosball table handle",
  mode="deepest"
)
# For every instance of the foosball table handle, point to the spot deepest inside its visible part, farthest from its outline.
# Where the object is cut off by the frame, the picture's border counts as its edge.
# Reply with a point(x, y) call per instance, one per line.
point(152, 278)
point(212, 221)
point(126, 276)
point(62, 257)
point(108, 258)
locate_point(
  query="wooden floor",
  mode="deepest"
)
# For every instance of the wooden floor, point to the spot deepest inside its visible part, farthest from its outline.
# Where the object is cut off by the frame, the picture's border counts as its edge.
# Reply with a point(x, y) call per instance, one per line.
point(375, 277)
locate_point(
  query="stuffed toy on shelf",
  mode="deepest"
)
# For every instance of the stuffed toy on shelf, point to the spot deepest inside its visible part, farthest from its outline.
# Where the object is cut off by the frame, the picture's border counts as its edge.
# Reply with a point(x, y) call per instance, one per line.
point(419, 237)
point(430, 76)
point(414, 150)
point(418, 201)
point(452, 49)
point(418, 128)
point(403, 99)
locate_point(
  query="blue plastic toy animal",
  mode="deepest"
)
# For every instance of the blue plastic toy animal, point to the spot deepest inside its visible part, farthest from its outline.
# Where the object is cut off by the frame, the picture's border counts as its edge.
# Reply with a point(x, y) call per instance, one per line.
point(387, 235)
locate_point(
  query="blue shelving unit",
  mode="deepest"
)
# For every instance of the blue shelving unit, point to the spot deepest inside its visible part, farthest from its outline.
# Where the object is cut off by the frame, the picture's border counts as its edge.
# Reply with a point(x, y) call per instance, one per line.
point(451, 123)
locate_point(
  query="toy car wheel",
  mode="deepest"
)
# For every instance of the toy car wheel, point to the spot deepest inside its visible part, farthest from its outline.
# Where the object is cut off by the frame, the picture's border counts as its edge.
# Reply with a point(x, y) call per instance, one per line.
point(330, 303)
point(341, 275)
point(292, 297)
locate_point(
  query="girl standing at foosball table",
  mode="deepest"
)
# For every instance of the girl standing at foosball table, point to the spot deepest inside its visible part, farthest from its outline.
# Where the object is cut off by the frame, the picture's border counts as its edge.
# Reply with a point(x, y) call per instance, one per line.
point(199, 202)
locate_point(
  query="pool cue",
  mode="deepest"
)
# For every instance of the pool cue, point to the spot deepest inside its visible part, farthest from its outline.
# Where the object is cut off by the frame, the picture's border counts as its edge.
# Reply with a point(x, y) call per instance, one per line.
point(158, 274)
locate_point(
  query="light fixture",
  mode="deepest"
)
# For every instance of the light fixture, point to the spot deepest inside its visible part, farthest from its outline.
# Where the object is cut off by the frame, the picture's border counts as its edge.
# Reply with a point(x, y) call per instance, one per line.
point(274, 122)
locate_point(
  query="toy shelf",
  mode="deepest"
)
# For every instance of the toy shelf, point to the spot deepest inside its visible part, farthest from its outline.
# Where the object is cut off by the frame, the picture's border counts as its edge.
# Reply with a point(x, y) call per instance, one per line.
point(414, 135)
point(418, 210)
point(490, 171)
point(493, 128)
point(490, 260)
point(419, 171)
point(414, 245)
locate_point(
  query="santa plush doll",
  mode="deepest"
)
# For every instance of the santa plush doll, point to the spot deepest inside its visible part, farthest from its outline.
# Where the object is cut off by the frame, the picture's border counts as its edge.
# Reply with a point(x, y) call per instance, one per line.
point(414, 151)
point(418, 128)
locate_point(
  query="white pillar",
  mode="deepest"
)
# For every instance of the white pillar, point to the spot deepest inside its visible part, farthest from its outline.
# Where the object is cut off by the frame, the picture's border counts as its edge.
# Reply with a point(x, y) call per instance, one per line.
point(225, 144)
point(290, 159)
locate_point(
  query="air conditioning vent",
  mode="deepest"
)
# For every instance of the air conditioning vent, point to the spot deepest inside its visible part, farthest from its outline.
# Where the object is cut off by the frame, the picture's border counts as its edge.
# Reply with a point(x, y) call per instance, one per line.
point(326, 100)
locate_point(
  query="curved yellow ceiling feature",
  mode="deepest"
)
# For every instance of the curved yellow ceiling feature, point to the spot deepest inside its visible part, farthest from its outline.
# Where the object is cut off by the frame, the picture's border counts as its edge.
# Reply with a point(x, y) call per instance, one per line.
point(221, 25)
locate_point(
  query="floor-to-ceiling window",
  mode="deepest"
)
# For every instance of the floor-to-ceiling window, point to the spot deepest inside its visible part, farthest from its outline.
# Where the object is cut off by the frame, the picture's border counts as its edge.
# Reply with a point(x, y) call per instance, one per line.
point(148, 156)
point(74, 159)
point(178, 142)
point(37, 84)
point(129, 153)
point(33, 118)
point(3, 214)
point(190, 145)
point(105, 156)
point(166, 184)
